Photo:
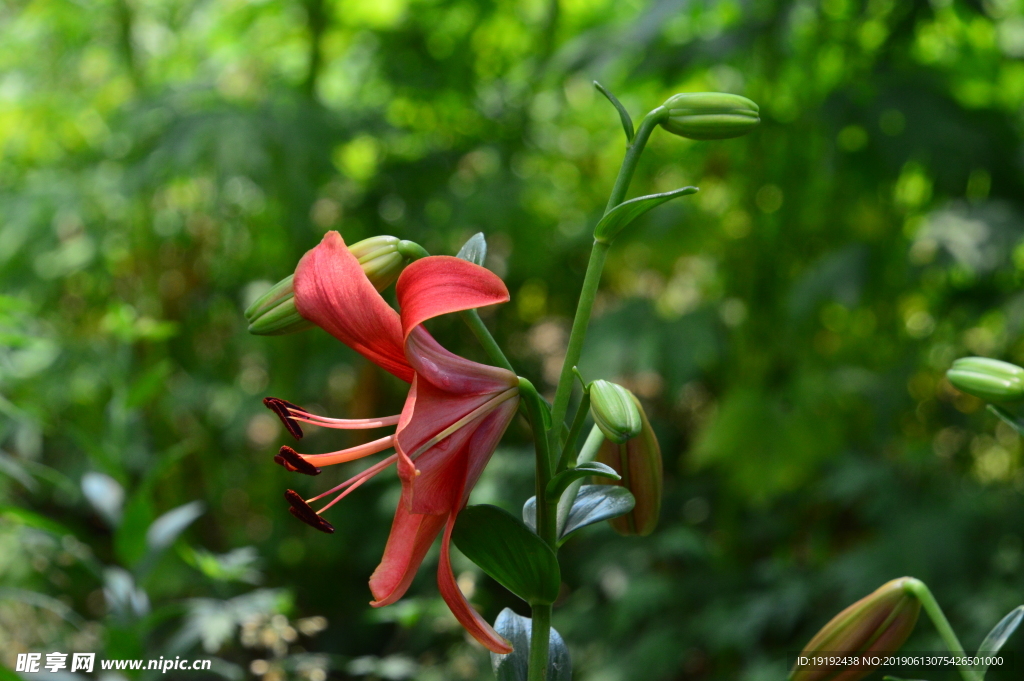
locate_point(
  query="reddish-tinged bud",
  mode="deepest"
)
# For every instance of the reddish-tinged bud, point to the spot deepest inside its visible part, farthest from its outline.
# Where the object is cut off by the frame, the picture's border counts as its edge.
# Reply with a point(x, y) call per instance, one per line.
point(293, 461)
point(638, 461)
point(880, 622)
point(301, 510)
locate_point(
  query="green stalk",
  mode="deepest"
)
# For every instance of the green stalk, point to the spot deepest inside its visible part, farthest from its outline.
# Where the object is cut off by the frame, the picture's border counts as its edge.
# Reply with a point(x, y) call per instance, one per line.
point(539, 638)
point(546, 519)
point(593, 276)
point(480, 330)
point(567, 458)
point(938, 618)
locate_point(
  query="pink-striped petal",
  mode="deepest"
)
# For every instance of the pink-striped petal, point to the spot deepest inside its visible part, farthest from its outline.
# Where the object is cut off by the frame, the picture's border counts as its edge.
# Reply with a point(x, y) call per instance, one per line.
point(469, 618)
point(332, 291)
point(410, 539)
point(440, 284)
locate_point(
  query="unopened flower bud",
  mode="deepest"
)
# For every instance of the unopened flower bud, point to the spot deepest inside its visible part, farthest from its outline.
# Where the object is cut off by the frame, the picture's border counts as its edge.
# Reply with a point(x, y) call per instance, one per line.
point(709, 115)
point(380, 259)
point(988, 379)
point(274, 313)
point(615, 411)
point(638, 462)
point(880, 622)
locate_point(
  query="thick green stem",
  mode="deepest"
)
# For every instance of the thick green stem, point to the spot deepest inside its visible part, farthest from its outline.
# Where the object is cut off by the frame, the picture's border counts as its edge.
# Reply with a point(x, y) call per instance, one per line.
point(569, 449)
point(593, 276)
point(938, 618)
point(539, 638)
point(491, 347)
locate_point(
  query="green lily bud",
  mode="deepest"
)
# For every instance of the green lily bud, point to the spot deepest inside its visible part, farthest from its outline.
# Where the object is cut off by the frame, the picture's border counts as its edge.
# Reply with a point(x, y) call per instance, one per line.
point(710, 115)
point(880, 622)
point(989, 379)
point(382, 258)
point(274, 313)
point(615, 411)
point(638, 462)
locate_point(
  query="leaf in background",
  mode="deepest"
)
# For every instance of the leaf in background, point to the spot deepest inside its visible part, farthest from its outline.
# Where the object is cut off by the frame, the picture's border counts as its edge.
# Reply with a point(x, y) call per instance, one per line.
point(12, 468)
point(560, 482)
point(595, 503)
point(996, 638)
point(475, 249)
point(514, 666)
point(33, 520)
point(213, 622)
point(167, 527)
point(122, 596)
point(105, 495)
point(618, 218)
point(147, 386)
point(509, 552)
point(239, 565)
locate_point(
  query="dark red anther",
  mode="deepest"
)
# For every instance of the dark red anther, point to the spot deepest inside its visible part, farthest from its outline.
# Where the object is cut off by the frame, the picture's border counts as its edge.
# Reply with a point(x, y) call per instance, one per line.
point(281, 408)
point(301, 510)
point(293, 461)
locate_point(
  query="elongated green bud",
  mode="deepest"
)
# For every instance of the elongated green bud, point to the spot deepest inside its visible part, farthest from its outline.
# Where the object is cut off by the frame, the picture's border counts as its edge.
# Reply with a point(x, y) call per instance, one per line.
point(615, 411)
point(638, 462)
point(988, 379)
point(382, 259)
point(880, 622)
point(710, 115)
point(274, 313)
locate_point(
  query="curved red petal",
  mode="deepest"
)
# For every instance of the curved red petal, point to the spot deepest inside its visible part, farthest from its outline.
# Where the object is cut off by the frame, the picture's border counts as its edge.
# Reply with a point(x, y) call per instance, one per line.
point(332, 291)
point(410, 539)
point(469, 618)
point(440, 284)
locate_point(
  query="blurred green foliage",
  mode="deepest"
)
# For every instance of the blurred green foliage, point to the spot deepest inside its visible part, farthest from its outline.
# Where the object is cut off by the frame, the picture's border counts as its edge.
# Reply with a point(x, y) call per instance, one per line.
point(787, 328)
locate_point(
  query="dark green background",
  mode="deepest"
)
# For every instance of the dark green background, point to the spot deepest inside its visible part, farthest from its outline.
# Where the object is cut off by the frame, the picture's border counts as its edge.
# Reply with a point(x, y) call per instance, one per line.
point(787, 328)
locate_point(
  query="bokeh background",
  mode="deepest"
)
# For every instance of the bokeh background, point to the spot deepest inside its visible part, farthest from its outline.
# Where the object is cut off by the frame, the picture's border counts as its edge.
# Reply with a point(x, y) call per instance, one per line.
point(787, 328)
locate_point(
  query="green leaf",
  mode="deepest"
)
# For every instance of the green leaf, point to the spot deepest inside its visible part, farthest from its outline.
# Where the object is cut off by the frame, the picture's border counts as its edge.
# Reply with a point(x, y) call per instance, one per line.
point(474, 250)
point(618, 218)
point(997, 637)
point(28, 518)
point(593, 504)
point(1008, 418)
point(627, 122)
point(560, 482)
point(515, 665)
point(509, 552)
point(7, 675)
point(167, 527)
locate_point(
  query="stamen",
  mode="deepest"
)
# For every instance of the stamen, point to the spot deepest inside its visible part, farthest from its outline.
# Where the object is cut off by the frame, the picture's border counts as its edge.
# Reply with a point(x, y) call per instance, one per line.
point(352, 453)
point(359, 478)
point(345, 424)
point(293, 461)
point(478, 413)
point(301, 510)
point(282, 409)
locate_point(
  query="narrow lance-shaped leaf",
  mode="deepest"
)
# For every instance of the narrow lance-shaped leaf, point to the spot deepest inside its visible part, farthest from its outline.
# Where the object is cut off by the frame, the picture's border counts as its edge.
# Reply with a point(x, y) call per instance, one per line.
point(474, 250)
point(594, 503)
point(509, 552)
point(622, 215)
point(515, 665)
point(627, 122)
point(996, 638)
point(560, 482)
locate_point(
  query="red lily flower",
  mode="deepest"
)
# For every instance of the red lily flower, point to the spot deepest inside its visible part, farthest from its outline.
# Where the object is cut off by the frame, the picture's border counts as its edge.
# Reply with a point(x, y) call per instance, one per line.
point(453, 418)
